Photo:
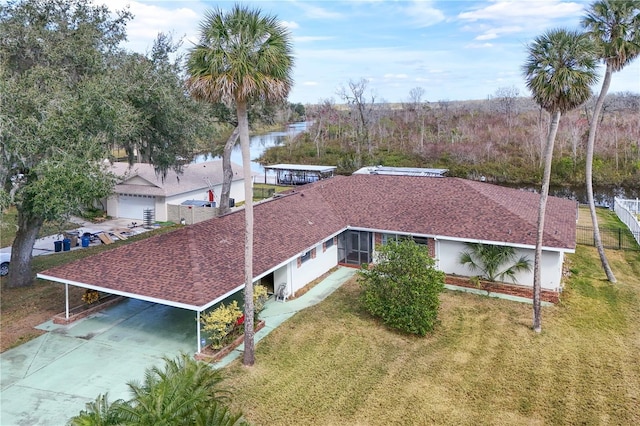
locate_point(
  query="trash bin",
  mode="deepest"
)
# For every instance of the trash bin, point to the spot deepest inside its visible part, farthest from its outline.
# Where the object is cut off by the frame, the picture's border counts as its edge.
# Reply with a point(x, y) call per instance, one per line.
point(232, 202)
point(73, 236)
point(57, 246)
point(66, 244)
point(85, 239)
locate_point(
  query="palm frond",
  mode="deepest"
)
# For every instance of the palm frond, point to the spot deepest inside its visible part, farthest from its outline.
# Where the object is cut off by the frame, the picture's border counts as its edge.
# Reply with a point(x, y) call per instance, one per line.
point(615, 28)
point(560, 69)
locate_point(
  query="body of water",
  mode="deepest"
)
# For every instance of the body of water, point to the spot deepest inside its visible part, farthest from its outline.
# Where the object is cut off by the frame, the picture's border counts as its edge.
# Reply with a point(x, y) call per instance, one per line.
point(258, 144)
point(602, 195)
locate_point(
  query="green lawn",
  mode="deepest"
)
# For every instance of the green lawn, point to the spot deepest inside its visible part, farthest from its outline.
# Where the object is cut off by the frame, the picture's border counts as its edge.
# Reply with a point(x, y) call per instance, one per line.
point(333, 364)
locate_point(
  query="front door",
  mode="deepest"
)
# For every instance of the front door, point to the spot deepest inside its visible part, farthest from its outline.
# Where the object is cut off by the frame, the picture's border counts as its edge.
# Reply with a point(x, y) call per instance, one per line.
point(354, 247)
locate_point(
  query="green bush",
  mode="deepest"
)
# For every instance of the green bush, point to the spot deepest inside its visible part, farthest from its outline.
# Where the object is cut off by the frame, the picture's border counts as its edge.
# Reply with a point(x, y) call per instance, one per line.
point(226, 322)
point(221, 322)
point(402, 288)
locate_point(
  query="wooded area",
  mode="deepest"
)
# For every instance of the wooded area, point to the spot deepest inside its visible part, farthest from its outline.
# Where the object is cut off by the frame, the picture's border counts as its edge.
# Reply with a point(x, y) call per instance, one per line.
point(501, 138)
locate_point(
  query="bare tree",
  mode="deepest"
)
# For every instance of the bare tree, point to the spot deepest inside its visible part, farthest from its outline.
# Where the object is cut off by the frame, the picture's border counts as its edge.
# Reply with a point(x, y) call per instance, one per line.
point(505, 101)
point(355, 97)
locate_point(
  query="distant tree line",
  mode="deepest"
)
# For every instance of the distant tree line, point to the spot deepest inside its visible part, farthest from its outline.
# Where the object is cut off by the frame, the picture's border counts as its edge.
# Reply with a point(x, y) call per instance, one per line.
point(501, 138)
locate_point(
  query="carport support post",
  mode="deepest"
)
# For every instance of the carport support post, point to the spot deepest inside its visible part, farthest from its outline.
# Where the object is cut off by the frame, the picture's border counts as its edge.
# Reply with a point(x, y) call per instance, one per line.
point(198, 328)
point(66, 301)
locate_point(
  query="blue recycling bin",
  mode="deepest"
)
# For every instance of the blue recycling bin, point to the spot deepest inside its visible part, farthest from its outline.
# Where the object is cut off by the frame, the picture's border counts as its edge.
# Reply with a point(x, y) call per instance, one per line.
point(57, 246)
point(85, 240)
point(66, 244)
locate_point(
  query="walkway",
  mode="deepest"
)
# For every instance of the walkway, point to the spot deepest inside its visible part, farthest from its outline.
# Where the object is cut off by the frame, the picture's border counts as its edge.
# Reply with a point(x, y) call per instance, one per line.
point(48, 380)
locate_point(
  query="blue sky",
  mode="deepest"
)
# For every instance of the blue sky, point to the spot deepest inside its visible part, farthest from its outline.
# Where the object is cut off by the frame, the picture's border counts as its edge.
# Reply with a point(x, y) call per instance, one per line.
point(454, 50)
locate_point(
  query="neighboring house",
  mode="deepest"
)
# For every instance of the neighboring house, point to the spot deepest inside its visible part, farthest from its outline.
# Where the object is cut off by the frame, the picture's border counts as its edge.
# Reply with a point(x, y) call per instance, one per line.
point(304, 233)
point(141, 188)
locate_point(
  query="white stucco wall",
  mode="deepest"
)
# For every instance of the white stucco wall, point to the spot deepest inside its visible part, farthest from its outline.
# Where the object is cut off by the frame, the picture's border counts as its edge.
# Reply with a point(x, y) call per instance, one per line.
point(202, 194)
point(448, 254)
point(237, 193)
point(297, 277)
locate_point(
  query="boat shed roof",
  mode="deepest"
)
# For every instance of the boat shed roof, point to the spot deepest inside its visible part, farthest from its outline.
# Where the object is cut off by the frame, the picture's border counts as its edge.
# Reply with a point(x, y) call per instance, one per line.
point(401, 171)
point(301, 168)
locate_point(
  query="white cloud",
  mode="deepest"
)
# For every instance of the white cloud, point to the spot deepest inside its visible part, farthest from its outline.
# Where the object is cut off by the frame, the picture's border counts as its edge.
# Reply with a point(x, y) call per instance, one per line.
point(291, 25)
point(496, 32)
point(423, 13)
point(509, 10)
point(316, 12)
point(396, 76)
point(306, 39)
point(151, 19)
point(310, 83)
point(479, 45)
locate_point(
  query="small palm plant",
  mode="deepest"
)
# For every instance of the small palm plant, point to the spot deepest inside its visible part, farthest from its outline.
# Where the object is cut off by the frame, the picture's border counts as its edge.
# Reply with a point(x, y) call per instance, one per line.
point(184, 392)
point(494, 262)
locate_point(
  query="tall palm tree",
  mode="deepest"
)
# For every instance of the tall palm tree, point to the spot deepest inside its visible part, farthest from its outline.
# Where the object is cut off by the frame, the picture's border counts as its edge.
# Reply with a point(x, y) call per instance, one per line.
point(559, 70)
point(242, 55)
point(615, 27)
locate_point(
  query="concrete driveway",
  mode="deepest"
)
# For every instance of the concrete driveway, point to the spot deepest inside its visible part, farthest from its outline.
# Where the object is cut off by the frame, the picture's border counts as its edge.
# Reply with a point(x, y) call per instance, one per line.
point(45, 245)
point(48, 380)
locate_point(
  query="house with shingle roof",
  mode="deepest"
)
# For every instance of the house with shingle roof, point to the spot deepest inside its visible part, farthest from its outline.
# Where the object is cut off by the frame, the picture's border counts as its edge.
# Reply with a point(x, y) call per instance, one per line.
point(305, 232)
point(140, 188)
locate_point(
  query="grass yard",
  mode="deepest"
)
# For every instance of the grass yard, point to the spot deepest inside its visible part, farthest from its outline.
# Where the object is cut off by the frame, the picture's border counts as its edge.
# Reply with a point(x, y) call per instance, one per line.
point(333, 364)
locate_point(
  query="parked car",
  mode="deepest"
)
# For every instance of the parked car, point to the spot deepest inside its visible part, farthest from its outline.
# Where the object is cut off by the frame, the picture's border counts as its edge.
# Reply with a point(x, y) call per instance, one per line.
point(4, 263)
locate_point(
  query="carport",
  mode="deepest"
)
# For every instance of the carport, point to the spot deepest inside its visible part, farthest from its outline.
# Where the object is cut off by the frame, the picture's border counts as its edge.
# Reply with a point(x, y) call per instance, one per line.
point(197, 309)
point(173, 269)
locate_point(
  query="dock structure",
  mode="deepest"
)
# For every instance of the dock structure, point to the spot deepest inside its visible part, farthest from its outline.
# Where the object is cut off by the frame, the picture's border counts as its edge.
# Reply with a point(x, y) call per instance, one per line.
point(299, 174)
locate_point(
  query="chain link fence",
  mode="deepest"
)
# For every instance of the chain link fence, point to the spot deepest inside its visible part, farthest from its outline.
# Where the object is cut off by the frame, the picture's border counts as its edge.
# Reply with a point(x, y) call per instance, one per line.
point(612, 238)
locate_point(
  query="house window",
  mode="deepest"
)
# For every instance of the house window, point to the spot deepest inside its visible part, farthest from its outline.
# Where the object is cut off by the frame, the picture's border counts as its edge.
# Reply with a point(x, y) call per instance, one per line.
point(421, 240)
point(389, 237)
point(305, 257)
point(328, 243)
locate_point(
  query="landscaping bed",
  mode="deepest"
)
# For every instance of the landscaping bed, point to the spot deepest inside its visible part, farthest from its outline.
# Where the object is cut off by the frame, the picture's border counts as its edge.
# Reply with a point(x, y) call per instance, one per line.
point(503, 288)
point(83, 311)
point(208, 354)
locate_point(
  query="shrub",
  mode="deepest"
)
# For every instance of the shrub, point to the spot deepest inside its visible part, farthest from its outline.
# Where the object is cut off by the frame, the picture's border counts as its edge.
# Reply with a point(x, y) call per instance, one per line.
point(226, 322)
point(494, 262)
point(260, 297)
point(90, 296)
point(220, 323)
point(403, 288)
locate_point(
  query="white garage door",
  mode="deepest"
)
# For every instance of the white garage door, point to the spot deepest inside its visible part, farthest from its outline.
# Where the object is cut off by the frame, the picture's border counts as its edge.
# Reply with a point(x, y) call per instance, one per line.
point(133, 206)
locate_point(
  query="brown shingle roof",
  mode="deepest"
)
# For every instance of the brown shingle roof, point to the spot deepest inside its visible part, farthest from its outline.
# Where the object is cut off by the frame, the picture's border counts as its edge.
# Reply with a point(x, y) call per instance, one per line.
point(195, 265)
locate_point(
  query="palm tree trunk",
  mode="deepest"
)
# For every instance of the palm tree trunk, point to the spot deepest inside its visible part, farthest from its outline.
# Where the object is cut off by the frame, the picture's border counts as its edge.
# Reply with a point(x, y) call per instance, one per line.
point(243, 125)
point(227, 172)
point(544, 194)
point(593, 127)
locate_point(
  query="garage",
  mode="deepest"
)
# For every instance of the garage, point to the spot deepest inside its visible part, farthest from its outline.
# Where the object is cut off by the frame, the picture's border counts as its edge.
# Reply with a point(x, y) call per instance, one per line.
point(132, 206)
